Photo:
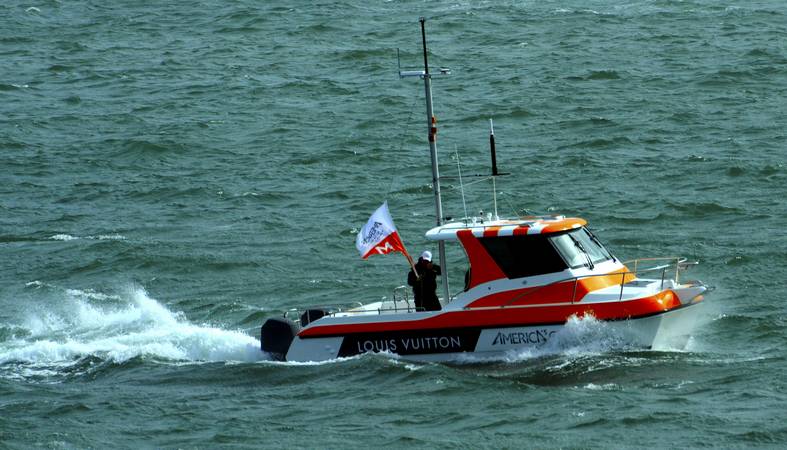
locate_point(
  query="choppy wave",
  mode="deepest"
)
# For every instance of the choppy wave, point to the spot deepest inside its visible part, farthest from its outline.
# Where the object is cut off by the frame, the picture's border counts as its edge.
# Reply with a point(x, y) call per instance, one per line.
point(116, 329)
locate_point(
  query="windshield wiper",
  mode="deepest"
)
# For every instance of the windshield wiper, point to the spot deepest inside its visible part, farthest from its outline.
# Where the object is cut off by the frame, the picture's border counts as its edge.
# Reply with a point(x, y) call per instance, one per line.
point(581, 248)
point(598, 242)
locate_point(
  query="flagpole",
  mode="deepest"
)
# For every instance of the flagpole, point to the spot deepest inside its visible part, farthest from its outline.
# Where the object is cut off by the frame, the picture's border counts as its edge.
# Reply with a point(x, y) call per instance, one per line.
point(410, 260)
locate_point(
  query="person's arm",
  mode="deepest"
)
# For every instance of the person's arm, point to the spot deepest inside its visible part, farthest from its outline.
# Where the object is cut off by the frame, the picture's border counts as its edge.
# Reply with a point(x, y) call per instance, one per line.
point(411, 278)
point(436, 269)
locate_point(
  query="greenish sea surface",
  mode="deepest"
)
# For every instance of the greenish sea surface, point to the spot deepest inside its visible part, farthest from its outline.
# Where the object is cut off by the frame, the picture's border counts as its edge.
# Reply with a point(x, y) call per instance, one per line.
point(173, 173)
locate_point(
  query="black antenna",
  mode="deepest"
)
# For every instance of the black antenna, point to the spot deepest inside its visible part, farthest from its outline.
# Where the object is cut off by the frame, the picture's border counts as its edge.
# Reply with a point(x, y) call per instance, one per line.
point(423, 38)
point(492, 148)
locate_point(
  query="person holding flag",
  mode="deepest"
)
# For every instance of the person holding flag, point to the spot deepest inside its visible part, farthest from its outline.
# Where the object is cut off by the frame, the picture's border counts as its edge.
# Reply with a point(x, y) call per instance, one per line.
point(423, 279)
point(379, 237)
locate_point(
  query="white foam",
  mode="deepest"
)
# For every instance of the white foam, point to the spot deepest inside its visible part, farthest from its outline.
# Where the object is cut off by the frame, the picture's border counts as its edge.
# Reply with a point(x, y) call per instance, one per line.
point(579, 337)
point(108, 237)
point(587, 335)
point(63, 237)
point(602, 387)
point(100, 237)
point(139, 327)
point(91, 294)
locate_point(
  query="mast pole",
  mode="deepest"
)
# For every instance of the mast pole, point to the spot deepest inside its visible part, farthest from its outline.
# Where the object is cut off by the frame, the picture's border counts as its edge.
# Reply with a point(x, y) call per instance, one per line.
point(432, 130)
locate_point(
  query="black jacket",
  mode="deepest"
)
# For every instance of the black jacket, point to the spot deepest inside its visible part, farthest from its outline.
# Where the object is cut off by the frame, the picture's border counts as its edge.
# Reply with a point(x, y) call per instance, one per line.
point(425, 285)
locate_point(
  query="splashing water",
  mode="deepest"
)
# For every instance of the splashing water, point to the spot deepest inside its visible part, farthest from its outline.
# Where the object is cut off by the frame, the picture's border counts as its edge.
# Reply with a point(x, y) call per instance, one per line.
point(120, 328)
point(585, 335)
point(581, 336)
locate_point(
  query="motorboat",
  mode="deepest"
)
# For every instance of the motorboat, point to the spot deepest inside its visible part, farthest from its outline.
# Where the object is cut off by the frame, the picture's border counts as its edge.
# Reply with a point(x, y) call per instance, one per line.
point(528, 277)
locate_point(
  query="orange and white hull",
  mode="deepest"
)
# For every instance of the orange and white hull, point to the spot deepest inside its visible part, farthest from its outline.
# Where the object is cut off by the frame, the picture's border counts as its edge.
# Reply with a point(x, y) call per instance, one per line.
point(655, 321)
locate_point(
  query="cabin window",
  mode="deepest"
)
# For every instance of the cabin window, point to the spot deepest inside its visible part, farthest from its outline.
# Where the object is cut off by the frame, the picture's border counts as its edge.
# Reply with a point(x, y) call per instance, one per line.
point(573, 256)
point(580, 248)
point(524, 256)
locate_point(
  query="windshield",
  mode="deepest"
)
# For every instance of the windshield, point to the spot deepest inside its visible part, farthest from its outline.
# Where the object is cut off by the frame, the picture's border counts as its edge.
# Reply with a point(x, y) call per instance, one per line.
point(580, 248)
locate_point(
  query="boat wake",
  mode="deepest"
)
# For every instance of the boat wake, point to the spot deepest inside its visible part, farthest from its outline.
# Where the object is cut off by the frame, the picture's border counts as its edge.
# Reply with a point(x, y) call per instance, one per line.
point(113, 328)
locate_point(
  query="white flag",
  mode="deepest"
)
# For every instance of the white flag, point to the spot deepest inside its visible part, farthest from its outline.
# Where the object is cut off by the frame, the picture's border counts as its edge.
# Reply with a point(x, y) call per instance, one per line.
point(379, 235)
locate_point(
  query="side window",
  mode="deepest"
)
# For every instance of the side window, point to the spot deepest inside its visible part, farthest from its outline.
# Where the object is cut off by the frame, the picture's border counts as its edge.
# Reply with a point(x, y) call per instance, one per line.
point(523, 256)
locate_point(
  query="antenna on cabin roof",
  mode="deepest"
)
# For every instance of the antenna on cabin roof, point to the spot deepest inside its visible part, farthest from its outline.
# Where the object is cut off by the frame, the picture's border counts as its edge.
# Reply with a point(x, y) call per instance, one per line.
point(495, 173)
point(492, 148)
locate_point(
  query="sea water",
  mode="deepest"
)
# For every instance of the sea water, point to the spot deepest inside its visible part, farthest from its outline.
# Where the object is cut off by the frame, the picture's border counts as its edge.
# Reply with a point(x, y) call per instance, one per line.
point(172, 174)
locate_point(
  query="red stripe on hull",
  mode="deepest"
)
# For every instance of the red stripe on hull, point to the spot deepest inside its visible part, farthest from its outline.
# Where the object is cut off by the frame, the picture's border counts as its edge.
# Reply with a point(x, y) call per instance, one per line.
point(489, 318)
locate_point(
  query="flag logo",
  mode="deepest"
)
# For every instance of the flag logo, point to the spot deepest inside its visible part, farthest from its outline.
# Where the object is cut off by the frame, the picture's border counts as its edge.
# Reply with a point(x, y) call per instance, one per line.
point(379, 235)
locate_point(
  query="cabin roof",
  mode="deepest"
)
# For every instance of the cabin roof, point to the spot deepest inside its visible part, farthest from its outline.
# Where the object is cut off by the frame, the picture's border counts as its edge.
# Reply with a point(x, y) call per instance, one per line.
point(506, 227)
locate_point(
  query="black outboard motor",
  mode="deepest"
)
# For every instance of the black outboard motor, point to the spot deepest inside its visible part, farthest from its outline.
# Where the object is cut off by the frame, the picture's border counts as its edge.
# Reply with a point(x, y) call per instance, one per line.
point(276, 335)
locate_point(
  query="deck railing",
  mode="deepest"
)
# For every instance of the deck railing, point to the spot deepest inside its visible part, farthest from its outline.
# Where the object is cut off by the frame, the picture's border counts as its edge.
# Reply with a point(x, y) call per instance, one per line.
point(400, 295)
